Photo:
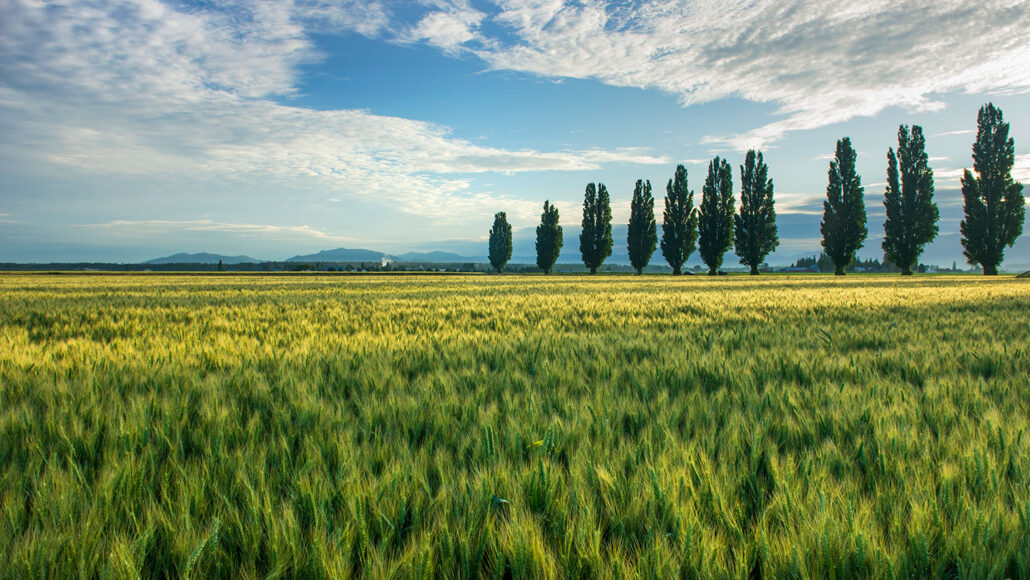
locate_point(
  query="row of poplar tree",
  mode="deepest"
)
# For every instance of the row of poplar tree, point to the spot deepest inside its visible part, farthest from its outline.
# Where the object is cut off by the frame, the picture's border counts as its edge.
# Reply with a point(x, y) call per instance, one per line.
point(994, 211)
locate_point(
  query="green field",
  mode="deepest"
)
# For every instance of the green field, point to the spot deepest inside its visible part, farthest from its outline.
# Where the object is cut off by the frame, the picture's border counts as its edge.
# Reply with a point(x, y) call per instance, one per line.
point(528, 427)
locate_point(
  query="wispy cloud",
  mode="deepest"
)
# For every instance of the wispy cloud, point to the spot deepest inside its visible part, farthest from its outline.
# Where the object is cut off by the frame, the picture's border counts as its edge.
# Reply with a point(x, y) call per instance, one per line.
point(1021, 172)
point(140, 228)
point(947, 175)
point(952, 176)
point(820, 63)
point(449, 29)
point(950, 133)
point(120, 87)
point(802, 203)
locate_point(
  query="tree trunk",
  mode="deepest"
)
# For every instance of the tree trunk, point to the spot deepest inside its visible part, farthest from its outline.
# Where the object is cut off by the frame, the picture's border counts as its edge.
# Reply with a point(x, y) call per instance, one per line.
point(640, 271)
point(676, 271)
point(906, 271)
point(754, 270)
point(838, 270)
point(711, 271)
point(990, 270)
point(593, 270)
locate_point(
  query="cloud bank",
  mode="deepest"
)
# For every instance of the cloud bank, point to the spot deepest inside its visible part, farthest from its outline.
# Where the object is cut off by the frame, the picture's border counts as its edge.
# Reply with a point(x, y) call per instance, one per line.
point(141, 87)
point(820, 62)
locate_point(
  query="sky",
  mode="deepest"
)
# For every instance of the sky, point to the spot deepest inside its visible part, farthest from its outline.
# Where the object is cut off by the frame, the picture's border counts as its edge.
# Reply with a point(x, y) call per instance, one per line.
point(132, 129)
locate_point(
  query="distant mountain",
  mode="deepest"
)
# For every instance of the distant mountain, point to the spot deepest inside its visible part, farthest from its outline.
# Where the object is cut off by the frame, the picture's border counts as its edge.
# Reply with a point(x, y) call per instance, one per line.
point(362, 255)
point(342, 255)
point(433, 257)
point(202, 258)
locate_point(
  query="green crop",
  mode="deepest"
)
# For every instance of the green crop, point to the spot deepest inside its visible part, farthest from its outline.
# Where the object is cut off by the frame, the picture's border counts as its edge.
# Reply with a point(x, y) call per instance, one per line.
point(559, 427)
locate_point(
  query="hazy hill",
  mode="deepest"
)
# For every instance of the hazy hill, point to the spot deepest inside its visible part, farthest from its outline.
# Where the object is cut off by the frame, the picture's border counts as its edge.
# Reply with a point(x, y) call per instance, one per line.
point(363, 255)
point(433, 257)
point(202, 258)
point(341, 255)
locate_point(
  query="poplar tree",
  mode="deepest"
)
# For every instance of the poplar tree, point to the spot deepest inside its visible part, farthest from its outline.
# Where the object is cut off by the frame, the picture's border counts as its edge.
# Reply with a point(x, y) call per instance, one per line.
point(844, 220)
point(755, 233)
point(994, 203)
point(911, 212)
point(500, 242)
point(679, 222)
point(595, 241)
point(548, 238)
point(642, 236)
point(715, 216)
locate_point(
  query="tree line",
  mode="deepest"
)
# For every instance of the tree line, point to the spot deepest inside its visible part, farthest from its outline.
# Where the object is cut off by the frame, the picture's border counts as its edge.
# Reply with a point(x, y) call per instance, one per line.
point(993, 203)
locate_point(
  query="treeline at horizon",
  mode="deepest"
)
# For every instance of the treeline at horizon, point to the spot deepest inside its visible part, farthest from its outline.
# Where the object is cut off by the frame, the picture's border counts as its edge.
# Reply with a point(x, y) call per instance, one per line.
point(994, 210)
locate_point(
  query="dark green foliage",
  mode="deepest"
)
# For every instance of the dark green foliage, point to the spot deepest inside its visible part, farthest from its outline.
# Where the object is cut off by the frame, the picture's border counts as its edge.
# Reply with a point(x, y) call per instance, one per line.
point(595, 241)
point(642, 236)
point(679, 222)
point(994, 204)
point(548, 238)
point(822, 263)
point(826, 264)
point(843, 226)
point(715, 216)
point(911, 212)
point(500, 242)
point(755, 226)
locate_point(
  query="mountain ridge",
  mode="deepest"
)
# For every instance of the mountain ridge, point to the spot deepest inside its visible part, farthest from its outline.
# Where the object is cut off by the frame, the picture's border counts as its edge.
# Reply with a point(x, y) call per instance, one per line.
point(202, 258)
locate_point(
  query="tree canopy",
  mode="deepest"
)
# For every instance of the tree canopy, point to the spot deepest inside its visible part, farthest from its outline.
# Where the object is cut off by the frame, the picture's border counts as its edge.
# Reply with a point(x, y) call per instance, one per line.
point(715, 216)
point(642, 234)
point(679, 222)
point(911, 212)
point(595, 241)
point(844, 218)
point(755, 233)
point(994, 204)
point(500, 242)
point(548, 238)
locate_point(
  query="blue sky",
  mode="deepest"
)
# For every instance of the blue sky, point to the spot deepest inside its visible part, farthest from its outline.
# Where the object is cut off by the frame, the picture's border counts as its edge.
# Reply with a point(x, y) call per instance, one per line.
point(134, 129)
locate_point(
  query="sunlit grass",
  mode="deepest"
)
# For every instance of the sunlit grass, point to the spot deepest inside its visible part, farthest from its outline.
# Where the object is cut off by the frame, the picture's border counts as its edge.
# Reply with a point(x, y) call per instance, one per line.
point(565, 427)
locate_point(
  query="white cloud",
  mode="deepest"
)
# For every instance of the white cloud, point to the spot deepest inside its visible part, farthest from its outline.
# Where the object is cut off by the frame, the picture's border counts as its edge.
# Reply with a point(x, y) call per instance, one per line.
point(821, 63)
point(947, 176)
point(958, 132)
point(803, 203)
point(1021, 172)
point(147, 228)
point(951, 176)
point(449, 29)
point(790, 245)
point(139, 87)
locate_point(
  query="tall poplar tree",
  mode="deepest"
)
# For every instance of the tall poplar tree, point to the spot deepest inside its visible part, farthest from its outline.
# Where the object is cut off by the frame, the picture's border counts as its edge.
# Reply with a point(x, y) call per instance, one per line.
point(755, 233)
point(715, 216)
point(595, 241)
point(844, 220)
point(548, 238)
point(911, 212)
point(679, 222)
point(500, 242)
point(642, 236)
point(994, 203)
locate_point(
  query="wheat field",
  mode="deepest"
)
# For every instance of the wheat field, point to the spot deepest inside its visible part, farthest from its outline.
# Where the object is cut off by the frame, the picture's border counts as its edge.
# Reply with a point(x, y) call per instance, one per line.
point(514, 426)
